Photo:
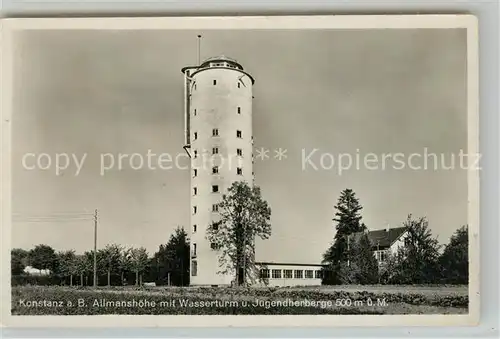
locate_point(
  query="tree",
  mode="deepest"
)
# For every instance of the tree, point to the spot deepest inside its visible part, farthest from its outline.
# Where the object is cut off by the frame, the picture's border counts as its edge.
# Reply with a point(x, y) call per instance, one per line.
point(139, 262)
point(43, 257)
point(83, 266)
point(66, 266)
point(348, 221)
point(88, 265)
point(455, 258)
point(124, 263)
point(109, 260)
point(244, 216)
point(172, 259)
point(18, 258)
point(417, 262)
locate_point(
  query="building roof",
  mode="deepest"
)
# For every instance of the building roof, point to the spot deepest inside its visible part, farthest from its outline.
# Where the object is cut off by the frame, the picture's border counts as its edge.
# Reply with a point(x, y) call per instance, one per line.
point(260, 263)
point(385, 237)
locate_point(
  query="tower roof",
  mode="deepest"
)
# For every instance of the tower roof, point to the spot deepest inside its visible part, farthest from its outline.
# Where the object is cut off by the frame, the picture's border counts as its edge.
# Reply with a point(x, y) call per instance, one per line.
point(221, 58)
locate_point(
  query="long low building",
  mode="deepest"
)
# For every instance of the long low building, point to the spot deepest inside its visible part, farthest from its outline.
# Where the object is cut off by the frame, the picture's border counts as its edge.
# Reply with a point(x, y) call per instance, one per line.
point(289, 274)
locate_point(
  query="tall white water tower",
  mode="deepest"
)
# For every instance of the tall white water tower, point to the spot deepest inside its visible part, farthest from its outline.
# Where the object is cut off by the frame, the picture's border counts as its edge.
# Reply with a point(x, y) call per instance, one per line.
point(218, 137)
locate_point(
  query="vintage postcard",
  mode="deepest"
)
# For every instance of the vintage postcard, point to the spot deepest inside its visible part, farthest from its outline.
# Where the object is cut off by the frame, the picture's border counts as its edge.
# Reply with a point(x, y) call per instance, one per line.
point(240, 171)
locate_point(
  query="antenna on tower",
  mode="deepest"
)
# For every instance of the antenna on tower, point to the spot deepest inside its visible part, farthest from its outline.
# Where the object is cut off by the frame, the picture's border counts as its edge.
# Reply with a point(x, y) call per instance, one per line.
point(199, 49)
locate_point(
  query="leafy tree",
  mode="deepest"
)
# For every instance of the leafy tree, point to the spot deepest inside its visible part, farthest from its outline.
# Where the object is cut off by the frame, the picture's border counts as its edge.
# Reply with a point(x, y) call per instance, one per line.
point(172, 259)
point(455, 258)
point(124, 263)
point(43, 257)
point(244, 215)
point(83, 266)
point(417, 262)
point(18, 260)
point(109, 260)
point(348, 221)
point(88, 265)
point(139, 262)
point(66, 266)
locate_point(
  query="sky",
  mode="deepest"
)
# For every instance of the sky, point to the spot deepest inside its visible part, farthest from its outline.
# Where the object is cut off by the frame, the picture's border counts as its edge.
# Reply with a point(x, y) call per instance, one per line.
point(351, 92)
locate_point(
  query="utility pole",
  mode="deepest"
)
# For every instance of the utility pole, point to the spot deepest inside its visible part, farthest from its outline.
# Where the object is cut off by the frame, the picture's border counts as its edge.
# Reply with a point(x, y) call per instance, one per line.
point(95, 248)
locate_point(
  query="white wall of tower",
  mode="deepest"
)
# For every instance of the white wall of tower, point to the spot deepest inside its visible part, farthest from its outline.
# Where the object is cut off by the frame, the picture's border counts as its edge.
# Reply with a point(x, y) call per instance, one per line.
point(220, 104)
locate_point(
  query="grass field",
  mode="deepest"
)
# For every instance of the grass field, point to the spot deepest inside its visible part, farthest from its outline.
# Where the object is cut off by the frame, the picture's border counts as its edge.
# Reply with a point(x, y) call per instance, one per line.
point(60, 300)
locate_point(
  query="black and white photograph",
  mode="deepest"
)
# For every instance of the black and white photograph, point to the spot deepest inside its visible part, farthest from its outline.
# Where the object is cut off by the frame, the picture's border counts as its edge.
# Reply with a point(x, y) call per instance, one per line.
point(241, 166)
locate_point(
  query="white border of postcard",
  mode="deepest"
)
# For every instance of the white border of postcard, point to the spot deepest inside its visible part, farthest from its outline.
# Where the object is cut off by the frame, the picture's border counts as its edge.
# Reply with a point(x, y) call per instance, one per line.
point(469, 22)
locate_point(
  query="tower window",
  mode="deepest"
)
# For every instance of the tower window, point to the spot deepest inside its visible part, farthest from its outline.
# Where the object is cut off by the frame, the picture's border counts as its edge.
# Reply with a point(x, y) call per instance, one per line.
point(215, 170)
point(195, 209)
point(215, 82)
point(239, 110)
point(215, 188)
point(215, 208)
point(194, 228)
point(239, 85)
point(195, 153)
point(195, 173)
point(238, 134)
point(239, 152)
point(195, 135)
point(194, 268)
point(215, 226)
point(195, 191)
point(239, 171)
point(214, 246)
point(215, 132)
point(194, 250)
point(215, 150)
point(195, 111)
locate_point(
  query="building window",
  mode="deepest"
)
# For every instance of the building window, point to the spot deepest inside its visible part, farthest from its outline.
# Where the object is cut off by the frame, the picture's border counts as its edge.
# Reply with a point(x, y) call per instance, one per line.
point(239, 152)
point(215, 208)
point(215, 226)
point(317, 274)
point(215, 132)
point(264, 273)
point(195, 153)
point(276, 274)
point(194, 250)
point(214, 246)
point(195, 190)
point(215, 170)
point(194, 228)
point(194, 209)
point(195, 111)
point(194, 268)
point(239, 110)
point(195, 135)
point(215, 188)
point(288, 274)
point(195, 173)
point(239, 171)
point(381, 256)
point(299, 274)
point(239, 85)
point(238, 134)
point(215, 82)
point(215, 150)
point(309, 274)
